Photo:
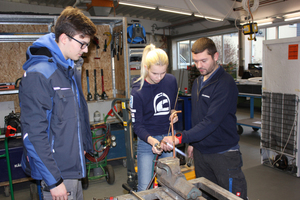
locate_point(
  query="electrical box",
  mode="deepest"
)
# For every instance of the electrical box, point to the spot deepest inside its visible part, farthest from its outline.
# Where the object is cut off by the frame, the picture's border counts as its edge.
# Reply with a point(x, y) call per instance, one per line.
point(250, 28)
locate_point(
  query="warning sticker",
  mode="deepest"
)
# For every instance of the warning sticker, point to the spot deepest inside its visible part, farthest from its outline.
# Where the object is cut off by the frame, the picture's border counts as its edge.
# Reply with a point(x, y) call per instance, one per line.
point(293, 52)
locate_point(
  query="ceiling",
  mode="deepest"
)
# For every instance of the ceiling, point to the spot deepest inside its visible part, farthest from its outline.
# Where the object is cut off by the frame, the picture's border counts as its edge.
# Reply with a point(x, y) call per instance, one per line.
point(118, 10)
point(230, 10)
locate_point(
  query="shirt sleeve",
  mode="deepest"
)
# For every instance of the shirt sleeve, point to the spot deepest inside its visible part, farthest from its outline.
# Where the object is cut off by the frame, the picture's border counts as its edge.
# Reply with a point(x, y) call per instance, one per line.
point(219, 108)
point(136, 106)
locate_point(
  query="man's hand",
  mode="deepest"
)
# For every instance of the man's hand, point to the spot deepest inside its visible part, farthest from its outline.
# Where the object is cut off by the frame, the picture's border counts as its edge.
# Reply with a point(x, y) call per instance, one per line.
point(190, 150)
point(59, 192)
point(168, 139)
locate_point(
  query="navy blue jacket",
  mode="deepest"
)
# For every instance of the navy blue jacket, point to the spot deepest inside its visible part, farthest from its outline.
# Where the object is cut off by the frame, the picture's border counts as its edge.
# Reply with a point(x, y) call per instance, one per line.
point(151, 106)
point(54, 115)
point(213, 114)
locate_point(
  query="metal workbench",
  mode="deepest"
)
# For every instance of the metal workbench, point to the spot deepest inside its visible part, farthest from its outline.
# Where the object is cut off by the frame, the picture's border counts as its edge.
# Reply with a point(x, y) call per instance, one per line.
point(253, 122)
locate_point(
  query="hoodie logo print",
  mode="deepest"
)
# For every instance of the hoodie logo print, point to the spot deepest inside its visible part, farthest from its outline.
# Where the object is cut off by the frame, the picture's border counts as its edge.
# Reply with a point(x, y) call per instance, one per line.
point(161, 104)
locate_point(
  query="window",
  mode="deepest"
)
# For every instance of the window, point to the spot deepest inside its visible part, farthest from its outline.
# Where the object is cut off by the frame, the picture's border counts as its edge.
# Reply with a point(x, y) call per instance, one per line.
point(271, 33)
point(230, 48)
point(257, 46)
point(219, 44)
point(227, 45)
point(287, 31)
point(184, 55)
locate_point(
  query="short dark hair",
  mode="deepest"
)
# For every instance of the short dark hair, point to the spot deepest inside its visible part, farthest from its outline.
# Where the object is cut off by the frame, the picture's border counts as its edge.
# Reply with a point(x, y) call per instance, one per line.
point(72, 21)
point(202, 44)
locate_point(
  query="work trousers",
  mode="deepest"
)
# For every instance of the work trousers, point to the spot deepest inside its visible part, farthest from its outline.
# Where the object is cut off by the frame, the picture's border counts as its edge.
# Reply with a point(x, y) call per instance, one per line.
point(145, 162)
point(73, 186)
point(223, 169)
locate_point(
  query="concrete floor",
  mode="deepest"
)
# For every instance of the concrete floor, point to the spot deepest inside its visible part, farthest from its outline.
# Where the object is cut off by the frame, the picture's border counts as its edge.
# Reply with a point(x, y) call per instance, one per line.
point(264, 183)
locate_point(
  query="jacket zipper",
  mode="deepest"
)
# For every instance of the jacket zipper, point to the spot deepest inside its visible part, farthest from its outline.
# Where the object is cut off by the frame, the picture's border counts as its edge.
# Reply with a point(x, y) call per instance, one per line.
point(198, 92)
point(73, 84)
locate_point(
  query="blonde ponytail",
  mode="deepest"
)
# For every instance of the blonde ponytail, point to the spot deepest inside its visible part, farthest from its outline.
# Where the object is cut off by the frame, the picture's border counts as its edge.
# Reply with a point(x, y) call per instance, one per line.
point(151, 56)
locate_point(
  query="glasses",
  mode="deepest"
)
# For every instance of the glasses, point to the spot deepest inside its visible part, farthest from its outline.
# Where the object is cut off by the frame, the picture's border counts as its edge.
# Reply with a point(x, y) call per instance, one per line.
point(83, 45)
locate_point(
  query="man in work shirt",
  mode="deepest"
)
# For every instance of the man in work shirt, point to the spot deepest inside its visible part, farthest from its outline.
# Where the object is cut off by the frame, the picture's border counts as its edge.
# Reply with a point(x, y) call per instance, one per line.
point(213, 139)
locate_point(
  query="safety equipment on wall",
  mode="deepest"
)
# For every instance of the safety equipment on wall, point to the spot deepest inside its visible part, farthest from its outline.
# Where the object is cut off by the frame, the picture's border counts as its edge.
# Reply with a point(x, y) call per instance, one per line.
point(136, 34)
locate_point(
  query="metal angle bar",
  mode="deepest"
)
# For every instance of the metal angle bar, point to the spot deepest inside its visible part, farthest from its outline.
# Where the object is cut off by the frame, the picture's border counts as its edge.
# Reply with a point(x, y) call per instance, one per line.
point(19, 38)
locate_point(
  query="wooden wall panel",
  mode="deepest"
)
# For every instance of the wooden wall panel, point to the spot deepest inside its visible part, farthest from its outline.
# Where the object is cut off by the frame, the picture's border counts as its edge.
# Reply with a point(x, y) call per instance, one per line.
point(119, 67)
point(13, 56)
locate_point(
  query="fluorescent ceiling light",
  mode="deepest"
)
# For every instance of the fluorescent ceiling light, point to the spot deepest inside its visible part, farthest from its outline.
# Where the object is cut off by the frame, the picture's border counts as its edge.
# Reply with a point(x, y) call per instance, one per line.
point(296, 14)
point(212, 18)
point(293, 18)
point(265, 23)
point(174, 11)
point(199, 16)
point(137, 5)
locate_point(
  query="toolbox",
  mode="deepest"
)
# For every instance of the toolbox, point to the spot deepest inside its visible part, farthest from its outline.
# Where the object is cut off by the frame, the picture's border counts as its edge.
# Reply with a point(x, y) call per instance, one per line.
point(15, 153)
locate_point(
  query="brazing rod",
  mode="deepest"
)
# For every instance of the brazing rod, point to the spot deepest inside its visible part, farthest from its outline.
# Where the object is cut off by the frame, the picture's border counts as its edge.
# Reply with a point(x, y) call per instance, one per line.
point(176, 149)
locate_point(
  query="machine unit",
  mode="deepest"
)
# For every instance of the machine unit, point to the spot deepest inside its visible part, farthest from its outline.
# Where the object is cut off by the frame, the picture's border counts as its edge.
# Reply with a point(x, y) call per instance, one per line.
point(280, 105)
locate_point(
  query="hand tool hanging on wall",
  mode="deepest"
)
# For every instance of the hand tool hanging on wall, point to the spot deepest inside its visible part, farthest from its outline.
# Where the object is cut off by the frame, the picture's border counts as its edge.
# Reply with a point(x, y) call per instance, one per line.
point(96, 95)
point(89, 96)
point(104, 95)
point(121, 35)
point(109, 40)
point(105, 45)
point(117, 45)
point(113, 48)
point(96, 42)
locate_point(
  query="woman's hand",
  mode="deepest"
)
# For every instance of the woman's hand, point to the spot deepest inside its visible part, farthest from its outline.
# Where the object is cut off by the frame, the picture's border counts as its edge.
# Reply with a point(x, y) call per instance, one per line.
point(174, 116)
point(156, 149)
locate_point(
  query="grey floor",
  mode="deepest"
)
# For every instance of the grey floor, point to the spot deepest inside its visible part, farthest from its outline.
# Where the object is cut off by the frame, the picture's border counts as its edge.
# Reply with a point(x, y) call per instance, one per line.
point(264, 183)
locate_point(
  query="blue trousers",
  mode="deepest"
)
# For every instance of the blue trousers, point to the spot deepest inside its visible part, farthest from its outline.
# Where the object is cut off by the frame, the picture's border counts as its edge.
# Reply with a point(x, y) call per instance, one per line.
point(145, 162)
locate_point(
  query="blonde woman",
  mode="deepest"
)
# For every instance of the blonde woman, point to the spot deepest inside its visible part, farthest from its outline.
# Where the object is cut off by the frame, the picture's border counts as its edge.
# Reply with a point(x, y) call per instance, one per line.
point(152, 101)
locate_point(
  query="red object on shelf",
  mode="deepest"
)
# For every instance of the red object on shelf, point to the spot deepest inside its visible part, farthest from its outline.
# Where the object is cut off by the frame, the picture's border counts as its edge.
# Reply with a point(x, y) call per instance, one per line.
point(7, 86)
point(9, 129)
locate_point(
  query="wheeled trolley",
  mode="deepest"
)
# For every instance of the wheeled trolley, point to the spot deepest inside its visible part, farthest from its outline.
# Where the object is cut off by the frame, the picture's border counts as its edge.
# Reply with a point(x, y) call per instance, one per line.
point(255, 123)
point(96, 164)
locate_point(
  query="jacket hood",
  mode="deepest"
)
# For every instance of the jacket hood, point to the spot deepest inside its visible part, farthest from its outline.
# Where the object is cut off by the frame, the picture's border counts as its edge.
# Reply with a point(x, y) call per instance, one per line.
point(44, 48)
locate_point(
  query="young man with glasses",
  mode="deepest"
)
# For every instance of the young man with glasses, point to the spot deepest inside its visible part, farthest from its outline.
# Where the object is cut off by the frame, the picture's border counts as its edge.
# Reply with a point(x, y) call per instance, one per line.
point(54, 115)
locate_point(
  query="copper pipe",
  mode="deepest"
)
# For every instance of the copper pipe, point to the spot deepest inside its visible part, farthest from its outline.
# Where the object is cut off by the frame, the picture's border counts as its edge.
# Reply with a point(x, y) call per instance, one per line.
point(173, 136)
point(174, 107)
